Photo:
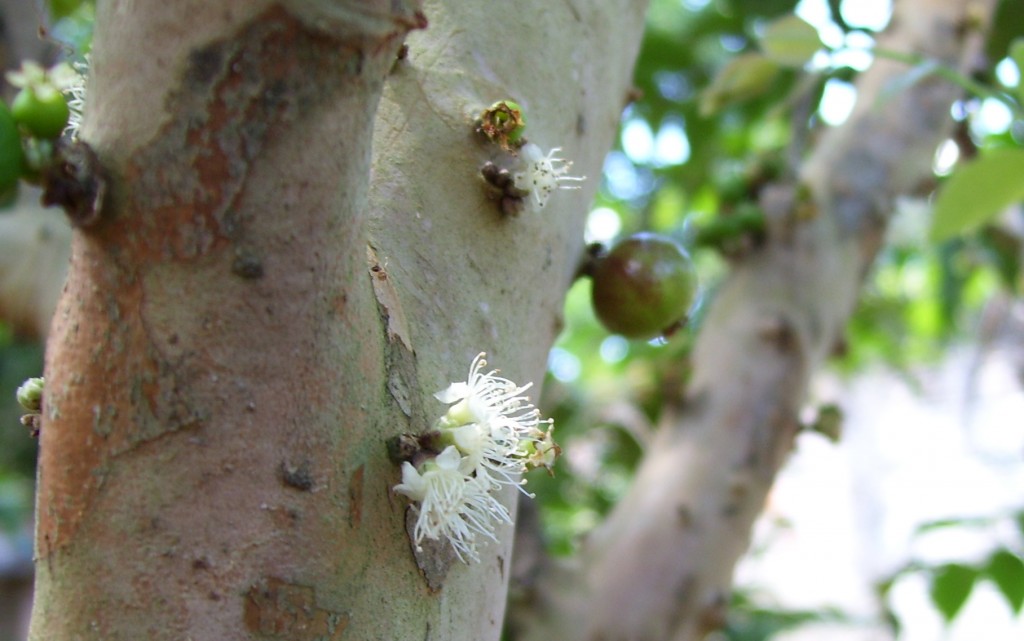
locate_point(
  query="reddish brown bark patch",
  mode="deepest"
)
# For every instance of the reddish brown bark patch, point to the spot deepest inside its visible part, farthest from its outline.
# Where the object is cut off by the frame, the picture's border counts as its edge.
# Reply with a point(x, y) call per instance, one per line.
point(110, 390)
point(278, 609)
point(112, 382)
point(235, 95)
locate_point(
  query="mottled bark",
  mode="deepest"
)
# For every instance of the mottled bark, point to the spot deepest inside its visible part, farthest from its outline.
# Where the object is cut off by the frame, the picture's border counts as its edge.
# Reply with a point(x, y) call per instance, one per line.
point(263, 302)
point(660, 567)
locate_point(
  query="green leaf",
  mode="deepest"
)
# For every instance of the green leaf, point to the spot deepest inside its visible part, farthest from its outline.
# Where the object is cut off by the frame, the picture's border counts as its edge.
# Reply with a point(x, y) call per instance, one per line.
point(940, 524)
point(63, 8)
point(745, 76)
point(951, 585)
point(790, 41)
point(977, 192)
point(1006, 570)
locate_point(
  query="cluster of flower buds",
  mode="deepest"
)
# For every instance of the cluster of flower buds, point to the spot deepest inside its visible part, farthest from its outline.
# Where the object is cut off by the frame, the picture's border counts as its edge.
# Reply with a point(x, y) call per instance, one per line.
point(30, 397)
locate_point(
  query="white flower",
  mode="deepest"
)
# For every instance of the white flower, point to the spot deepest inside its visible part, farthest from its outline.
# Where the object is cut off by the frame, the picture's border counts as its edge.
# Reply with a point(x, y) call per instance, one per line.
point(483, 397)
point(492, 423)
point(453, 505)
point(31, 74)
point(542, 174)
point(491, 435)
point(491, 449)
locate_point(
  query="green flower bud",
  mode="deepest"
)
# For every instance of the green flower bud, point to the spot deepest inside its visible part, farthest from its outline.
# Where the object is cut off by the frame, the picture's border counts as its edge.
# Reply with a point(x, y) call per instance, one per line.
point(30, 394)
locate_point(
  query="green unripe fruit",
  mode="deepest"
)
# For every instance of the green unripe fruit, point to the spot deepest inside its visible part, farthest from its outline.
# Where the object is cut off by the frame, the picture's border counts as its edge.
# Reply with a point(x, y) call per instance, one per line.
point(42, 111)
point(11, 161)
point(644, 287)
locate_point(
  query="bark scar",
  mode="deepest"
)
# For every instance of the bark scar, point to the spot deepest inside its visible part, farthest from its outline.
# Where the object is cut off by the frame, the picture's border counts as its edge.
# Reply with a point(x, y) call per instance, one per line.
point(399, 354)
point(282, 610)
point(387, 300)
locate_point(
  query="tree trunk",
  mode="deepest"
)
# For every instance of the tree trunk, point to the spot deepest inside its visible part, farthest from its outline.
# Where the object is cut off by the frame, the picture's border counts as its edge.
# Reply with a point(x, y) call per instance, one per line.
point(660, 567)
point(260, 304)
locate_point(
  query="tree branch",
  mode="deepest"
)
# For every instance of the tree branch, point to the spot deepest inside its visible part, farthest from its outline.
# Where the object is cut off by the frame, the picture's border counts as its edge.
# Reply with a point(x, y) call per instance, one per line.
point(660, 567)
point(34, 249)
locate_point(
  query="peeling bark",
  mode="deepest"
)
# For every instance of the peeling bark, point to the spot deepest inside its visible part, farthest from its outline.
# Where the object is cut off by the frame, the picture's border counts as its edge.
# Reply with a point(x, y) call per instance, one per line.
point(660, 567)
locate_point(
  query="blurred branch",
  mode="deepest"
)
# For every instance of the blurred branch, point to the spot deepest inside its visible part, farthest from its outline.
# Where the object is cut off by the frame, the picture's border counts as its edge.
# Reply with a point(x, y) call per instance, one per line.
point(35, 244)
point(661, 566)
point(969, 84)
point(20, 22)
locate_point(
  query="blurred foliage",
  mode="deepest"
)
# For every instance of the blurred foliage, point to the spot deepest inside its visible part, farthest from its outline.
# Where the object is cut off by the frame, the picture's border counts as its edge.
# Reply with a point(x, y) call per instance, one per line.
point(702, 73)
point(606, 391)
point(952, 582)
point(751, 620)
point(18, 361)
point(71, 24)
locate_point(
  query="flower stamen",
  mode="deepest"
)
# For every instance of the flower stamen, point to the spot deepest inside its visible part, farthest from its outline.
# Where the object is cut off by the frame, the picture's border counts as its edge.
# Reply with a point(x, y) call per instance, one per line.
point(543, 173)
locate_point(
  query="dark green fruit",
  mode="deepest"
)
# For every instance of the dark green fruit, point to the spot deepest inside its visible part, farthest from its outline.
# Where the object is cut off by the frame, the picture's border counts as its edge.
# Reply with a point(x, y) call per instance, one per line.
point(11, 161)
point(43, 113)
point(644, 287)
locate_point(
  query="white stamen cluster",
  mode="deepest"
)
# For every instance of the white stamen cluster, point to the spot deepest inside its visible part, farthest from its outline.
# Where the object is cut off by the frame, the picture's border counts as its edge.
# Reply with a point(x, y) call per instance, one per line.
point(71, 82)
point(542, 174)
point(453, 504)
point(491, 434)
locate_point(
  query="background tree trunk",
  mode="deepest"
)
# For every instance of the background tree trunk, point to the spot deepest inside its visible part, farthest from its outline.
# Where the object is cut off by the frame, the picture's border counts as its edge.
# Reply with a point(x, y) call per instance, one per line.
point(661, 566)
point(226, 364)
point(34, 247)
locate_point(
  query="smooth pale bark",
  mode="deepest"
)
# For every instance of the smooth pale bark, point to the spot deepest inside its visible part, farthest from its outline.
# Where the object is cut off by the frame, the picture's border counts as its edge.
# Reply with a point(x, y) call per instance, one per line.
point(660, 567)
point(257, 310)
